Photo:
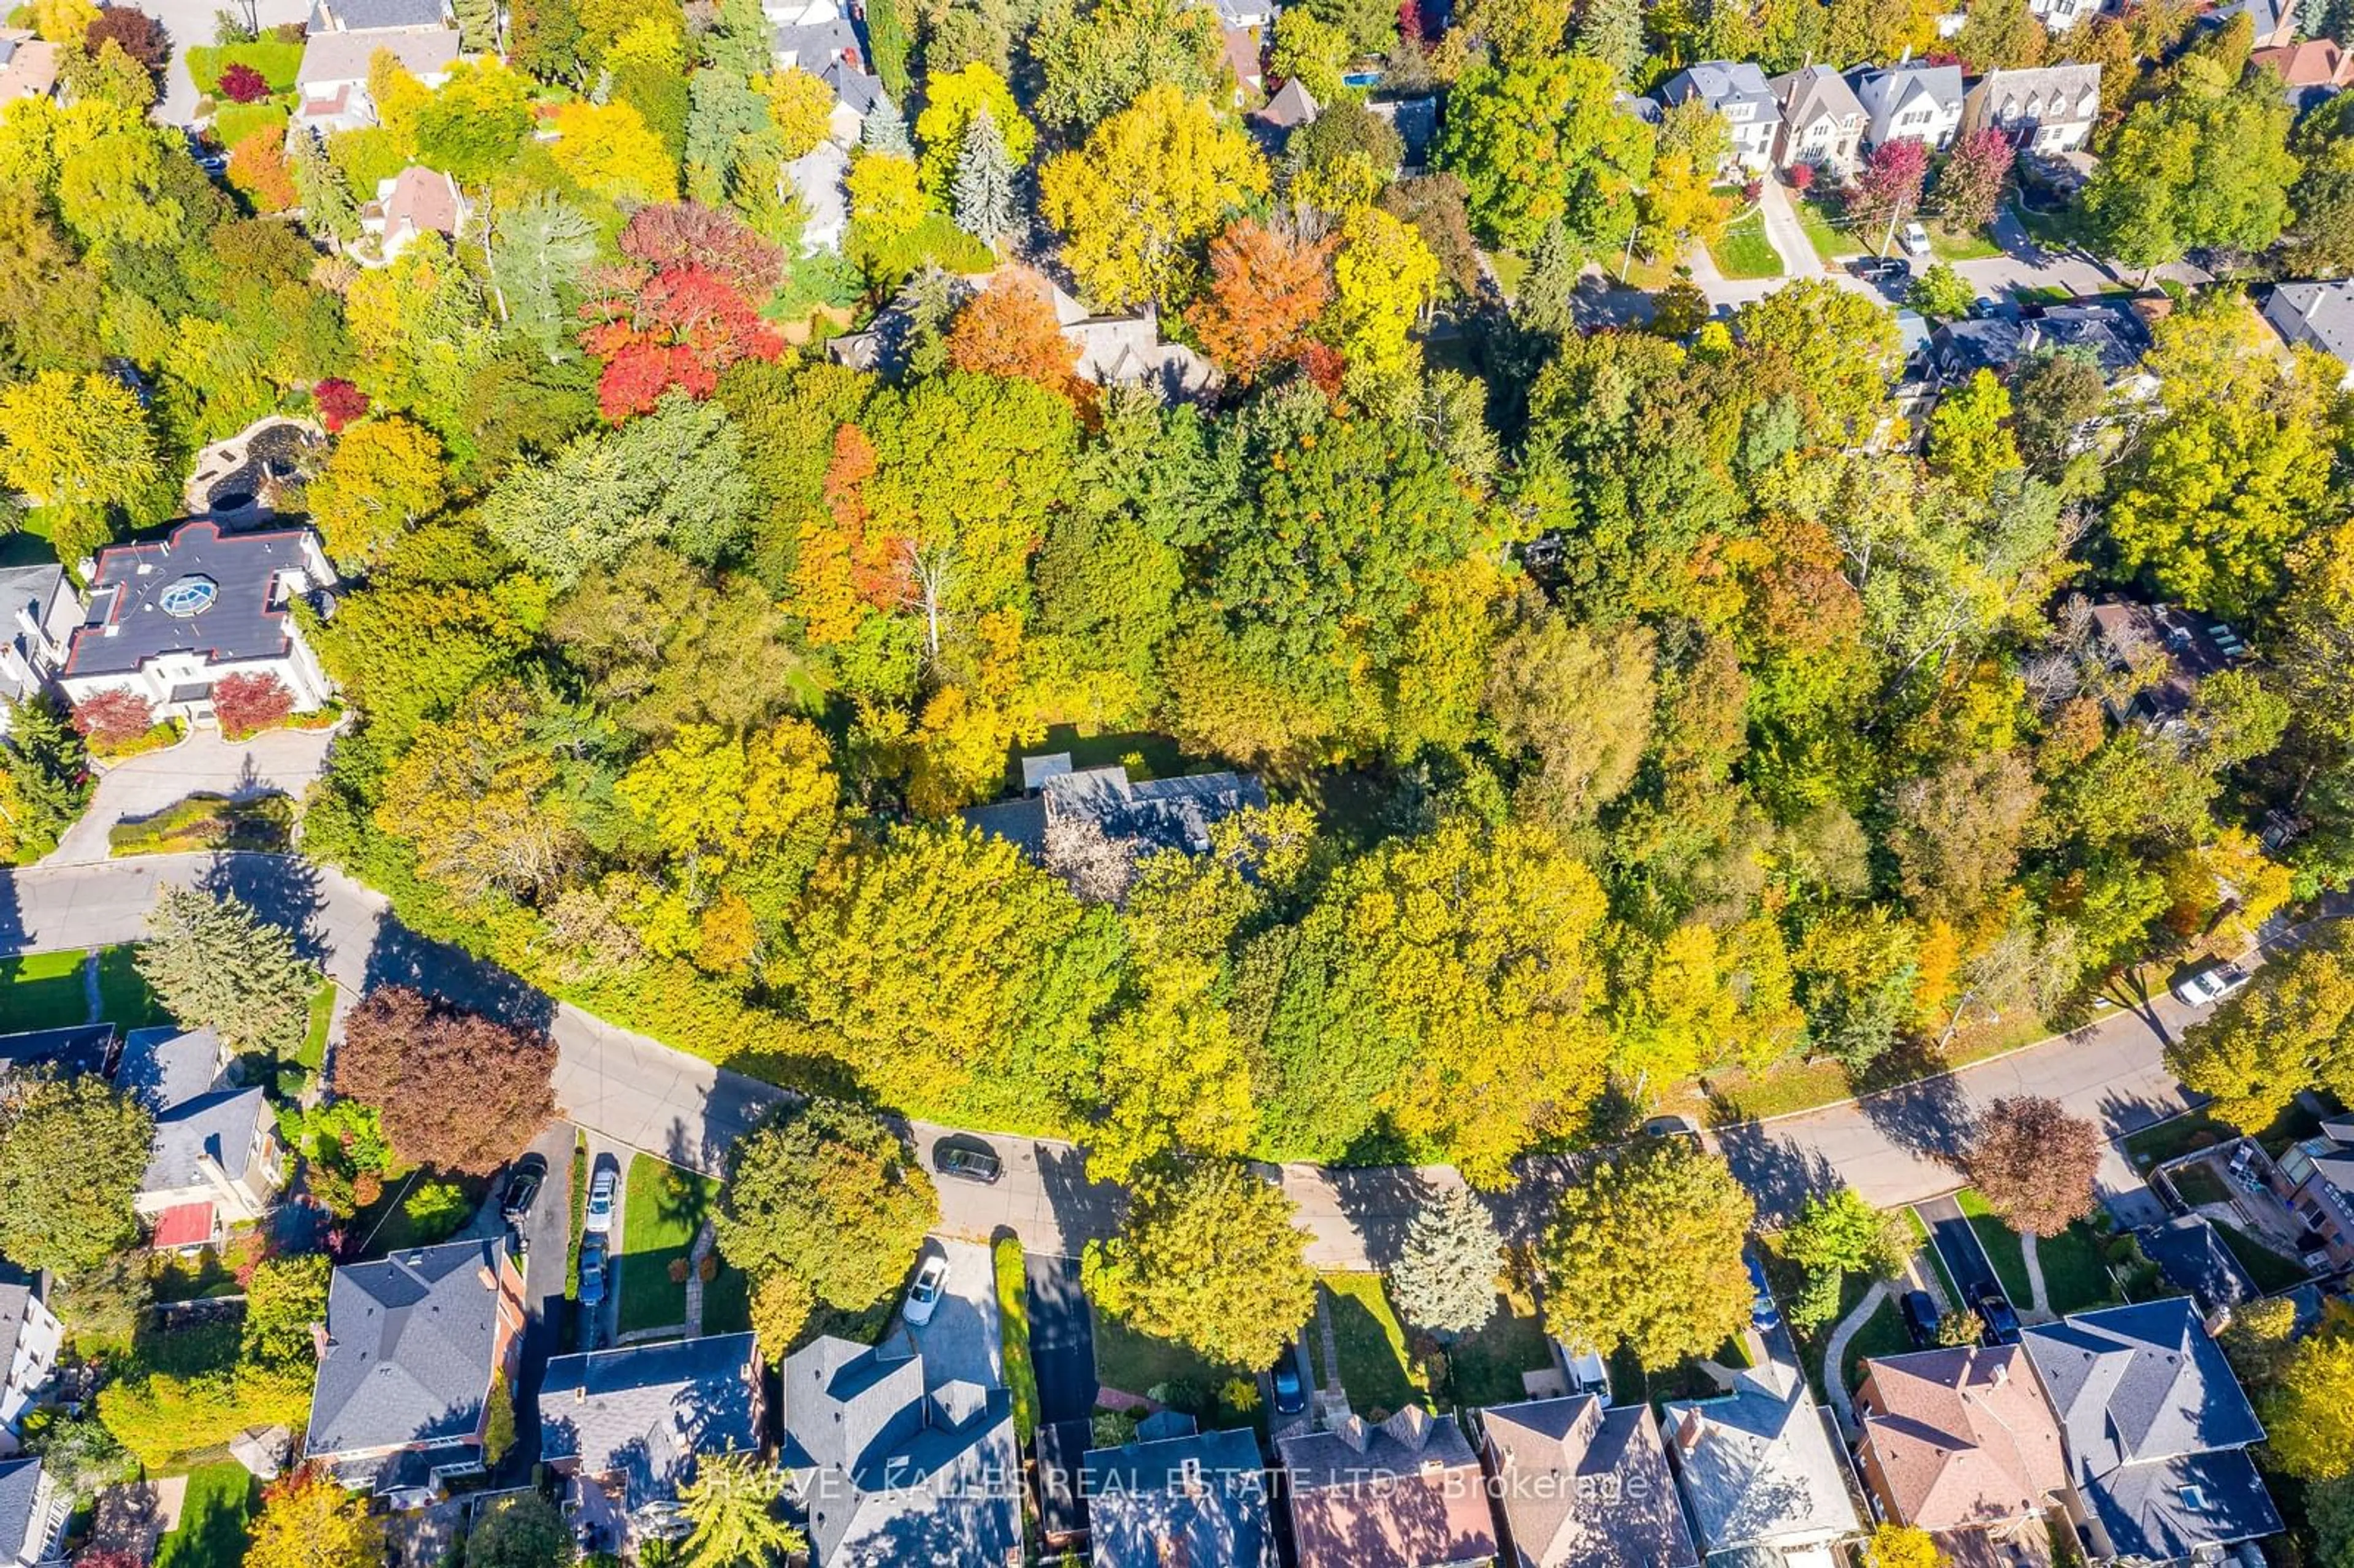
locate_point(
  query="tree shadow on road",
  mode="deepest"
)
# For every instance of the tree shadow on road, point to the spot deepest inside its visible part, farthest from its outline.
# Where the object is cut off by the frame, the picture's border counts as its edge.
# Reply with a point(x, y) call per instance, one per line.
point(1779, 1173)
point(282, 889)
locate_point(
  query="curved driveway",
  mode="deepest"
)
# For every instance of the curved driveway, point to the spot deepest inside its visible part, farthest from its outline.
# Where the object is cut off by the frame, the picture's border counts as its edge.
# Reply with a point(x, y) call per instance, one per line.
point(1892, 1148)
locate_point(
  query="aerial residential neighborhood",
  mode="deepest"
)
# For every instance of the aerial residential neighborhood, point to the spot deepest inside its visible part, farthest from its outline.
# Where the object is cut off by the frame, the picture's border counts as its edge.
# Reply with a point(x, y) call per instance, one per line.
point(1176, 784)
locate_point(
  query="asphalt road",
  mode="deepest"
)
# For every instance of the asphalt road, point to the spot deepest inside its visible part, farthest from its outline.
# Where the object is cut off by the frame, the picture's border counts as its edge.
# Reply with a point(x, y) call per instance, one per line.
point(1062, 1338)
point(1893, 1148)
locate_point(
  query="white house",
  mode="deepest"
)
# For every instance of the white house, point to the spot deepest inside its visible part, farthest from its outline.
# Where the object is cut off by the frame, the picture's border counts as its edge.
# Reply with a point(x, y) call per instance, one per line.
point(332, 81)
point(38, 615)
point(33, 1513)
point(1911, 101)
point(214, 1160)
point(1740, 94)
point(168, 618)
point(31, 1336)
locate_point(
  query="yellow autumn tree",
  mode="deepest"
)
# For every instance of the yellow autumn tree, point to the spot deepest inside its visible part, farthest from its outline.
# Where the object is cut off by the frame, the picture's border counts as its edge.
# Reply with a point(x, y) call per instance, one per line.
point(799, 106)
point(1382, 276)
point(1151, 182)
point(381, 477)
point(886, 198)
point(611, 151)
point(310, 1520)
point(952, 101)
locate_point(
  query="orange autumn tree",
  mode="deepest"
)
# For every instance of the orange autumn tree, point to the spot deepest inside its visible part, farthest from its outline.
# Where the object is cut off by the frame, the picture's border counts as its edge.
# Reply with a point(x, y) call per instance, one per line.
point(1265, 291)
point(259, 171)
point(842, 573)
point(1009, 328)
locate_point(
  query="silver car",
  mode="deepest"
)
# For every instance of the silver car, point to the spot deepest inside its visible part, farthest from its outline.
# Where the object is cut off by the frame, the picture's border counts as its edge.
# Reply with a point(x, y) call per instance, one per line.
point(2210, 984)
point(925, 1294)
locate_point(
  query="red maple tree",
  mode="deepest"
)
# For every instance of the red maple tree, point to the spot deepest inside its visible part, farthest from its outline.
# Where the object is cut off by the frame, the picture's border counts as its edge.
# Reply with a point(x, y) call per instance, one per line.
point(339, 402)
point(247, 703)
point(668, 236)
point(113, 717)
point(676, 329)
point(240, 83)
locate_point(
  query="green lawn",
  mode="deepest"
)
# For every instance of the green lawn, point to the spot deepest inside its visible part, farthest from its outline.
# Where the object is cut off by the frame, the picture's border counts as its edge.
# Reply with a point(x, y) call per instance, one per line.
point(1137, 1363)
point(122, 994)
point(1882, 1334)
point(2074, 1273)
point(1486, 1364)
point(1013, 1333)
point(2052, 230)
point(42, 991)
point(2271, 1270)
point(663, 1207)
point(1814, 1344)
point(1974, 246)
point(233, 123)
point(2198, 1184)
point(2002, 1245)
point(2194, 1130)
point(314, 1038)
point(1745, 252)
point(1832, 242)
point(212, 1522)
point(1372, 1346)
point(1510, 268)
point(387, 1224)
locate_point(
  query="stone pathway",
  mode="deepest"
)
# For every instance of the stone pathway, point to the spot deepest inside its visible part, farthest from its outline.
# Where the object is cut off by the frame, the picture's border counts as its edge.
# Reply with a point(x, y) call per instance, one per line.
point(1835, 1353)
point(2039, 1310)
point(695, 1256)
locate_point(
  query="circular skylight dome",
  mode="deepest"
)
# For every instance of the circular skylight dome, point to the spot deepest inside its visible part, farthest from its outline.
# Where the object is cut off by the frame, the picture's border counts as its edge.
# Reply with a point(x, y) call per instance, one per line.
point(189, 596)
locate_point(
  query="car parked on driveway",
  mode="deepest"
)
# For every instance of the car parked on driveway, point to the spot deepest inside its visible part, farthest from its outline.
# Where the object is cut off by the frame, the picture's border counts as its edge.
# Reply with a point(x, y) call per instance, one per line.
point(1916, 240)
point(1920, 1310)
point(522, 1187)
point(2210, 984)
point(1763, 1314)
point(592, 1268)
point(1881, 269)
point(1290, 1389)
point(925, 1294)
point(967, 1159)
point(1994, 1311)
point(602, 1188)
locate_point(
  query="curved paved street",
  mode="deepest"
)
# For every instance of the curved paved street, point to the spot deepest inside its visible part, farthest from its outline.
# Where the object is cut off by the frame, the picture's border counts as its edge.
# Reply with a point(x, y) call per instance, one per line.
point(1893, 1147)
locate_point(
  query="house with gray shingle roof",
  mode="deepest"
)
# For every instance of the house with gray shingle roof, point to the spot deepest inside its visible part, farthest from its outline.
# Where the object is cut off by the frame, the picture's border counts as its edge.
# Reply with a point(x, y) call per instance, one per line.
point(1822, 123)
point(1404, 1490)
point(2156, 1431)
point(33, 1513)
point(1194, 1498)
point(1758, 1471)
point(1910, 102)
point(1582, 1486)
point(2047, 110)
point(413, 1344)
point(1742, 97)
point(2315, 315)
point(30, 1337)
point(38, 613)
point(214, 1160)
point(886, 1473)
point(627, 1427)
point(1152, 813)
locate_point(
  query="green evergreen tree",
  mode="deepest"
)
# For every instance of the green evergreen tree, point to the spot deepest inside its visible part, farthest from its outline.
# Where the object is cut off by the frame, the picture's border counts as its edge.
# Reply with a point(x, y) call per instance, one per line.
point(478, 25)
point(983, 189)
point(45, 764)
point(887, 33)
point(885, 130)
point(1610, 31)
point(214, 963)
point(1548, 290)
point(328, 209)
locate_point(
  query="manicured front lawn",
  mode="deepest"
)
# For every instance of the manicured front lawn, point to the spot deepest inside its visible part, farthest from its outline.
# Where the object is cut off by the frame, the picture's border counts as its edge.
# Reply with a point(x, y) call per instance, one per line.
point(1510, 268)
point(314, 1038)
point(123, 995)
point(1882, 1334)
point(1832, 242)
point(388, 1226)
point(42, 991)
point(2076, 1274)
point(2271, 1270)
point(1974, 246)
point(1137, 1363)
point(1485, 1366)
point(663, 1208)
point(1372, 1346)
point(2002, 1245)
point(211, 1533)
point(1745, 252)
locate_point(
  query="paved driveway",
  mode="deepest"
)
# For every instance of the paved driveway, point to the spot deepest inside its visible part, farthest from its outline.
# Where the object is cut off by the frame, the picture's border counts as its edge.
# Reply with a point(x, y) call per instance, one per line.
point(275, 762)
point(1958, 1243)
point(547, 1260)
point(960, 1342)
point(1062, 1338)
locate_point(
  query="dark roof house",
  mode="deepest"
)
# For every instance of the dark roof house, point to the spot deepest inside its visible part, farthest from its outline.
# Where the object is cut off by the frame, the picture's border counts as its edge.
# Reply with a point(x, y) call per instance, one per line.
point(1756, 1466)
point(77, 1048)
point(1580, 1486)
point(413, 1344)
point(372, 15)
point(1198, 1498)
point(633, 1420)
point(2193, 1258)
point(1159, 813)
point(1404, 1494)
point(33, 1514)
point(2192, 648)
point(2156, 1431)
point(890, 1474)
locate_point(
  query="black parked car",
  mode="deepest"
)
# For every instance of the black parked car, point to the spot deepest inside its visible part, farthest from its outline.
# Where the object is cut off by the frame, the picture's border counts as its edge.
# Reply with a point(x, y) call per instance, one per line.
point(2001, 1322)
point(1920, 1318)
point(1290, 1393)
point(522, 1187)
point(1881, 269)
point(592, 1268)
point(967, 1159)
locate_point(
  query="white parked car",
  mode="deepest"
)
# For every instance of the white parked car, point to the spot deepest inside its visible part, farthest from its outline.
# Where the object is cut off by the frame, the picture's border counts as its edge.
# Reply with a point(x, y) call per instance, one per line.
point(1916, 240)
point(2212, 983)
point(599, 1217)
point(925, 1294)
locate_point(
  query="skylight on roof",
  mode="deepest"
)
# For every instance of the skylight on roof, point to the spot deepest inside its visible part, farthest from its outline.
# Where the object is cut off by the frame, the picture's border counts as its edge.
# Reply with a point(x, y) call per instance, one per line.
point(189, 596)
